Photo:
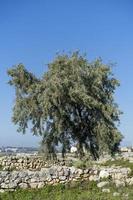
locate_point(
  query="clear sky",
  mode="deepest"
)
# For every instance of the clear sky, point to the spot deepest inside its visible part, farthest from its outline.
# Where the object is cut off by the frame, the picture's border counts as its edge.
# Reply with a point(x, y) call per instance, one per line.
point(33, 31)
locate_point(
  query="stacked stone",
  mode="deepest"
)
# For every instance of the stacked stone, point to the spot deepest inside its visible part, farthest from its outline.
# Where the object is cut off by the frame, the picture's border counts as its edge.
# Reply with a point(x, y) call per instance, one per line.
point(20, 163)
point(11, 180)
point(37, 179)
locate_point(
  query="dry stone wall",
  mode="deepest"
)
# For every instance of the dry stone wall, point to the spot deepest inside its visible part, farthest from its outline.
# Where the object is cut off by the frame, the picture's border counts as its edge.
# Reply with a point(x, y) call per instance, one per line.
point(34, 172)
point(20, 163)
point(11, 180)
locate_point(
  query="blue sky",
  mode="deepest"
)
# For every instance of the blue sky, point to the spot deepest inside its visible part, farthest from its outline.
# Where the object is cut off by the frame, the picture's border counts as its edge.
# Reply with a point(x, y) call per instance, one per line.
point(33, 31)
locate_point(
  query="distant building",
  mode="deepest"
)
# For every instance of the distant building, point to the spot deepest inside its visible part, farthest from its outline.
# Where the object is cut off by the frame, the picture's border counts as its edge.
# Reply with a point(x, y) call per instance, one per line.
point(14, 150)
point(11, 149)
point(73, 149)
point(126, 149)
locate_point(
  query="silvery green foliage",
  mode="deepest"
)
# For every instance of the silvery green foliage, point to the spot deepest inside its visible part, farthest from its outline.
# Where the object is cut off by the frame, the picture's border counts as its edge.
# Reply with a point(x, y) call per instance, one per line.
point(73, 103)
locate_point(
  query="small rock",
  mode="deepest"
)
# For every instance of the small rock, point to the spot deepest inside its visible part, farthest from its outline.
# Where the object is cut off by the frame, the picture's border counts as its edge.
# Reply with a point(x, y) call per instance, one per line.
point(4, 186)
point(66, 172)
point(72, 169)
point(106, 190)
point(116, 194)
point(102, 184)
point(23, 185)
point(41, 185)
point(62, 178)
point(125, 195)
point(33, 185)
point(129, 181)
point(12, 185)
point(2, 191)
point(119, 183)
point(104, 174)
point(34, 180)
point(80, 171)
point(86, 171)
point(93, 178)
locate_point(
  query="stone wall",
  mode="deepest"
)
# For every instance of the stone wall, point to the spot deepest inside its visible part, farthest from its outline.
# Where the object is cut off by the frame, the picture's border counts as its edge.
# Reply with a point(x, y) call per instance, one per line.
point(34, 172)
point(11, 180)
point(20, 163)
point(35, 163)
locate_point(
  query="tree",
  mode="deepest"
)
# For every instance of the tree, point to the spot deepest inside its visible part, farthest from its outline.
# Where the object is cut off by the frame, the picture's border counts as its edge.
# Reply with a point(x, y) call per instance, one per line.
point(73, 103)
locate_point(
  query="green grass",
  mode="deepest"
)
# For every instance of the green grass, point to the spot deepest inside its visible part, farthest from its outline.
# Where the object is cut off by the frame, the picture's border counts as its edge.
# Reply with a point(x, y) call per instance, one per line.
point(120, 162)
point(82, 164)
point(73, 191)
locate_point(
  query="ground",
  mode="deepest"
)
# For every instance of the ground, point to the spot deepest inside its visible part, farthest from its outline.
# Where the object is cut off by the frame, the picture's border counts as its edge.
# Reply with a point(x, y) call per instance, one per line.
point(81, 190)
point(75, 191)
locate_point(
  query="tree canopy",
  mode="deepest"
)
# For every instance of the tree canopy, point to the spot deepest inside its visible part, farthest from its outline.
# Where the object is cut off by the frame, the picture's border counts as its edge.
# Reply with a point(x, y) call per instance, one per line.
point(72, 103)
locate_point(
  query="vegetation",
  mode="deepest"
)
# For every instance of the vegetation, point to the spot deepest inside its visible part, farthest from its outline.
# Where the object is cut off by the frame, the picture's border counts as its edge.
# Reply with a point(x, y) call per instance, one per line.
point(78, 191)
point(120, 162)
point(73, 103)
point(1, 168)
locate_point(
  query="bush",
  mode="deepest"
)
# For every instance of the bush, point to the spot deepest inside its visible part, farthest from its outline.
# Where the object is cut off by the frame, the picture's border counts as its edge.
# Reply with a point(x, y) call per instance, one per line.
point(82, 164)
